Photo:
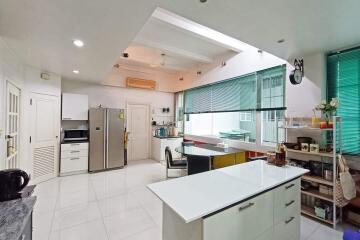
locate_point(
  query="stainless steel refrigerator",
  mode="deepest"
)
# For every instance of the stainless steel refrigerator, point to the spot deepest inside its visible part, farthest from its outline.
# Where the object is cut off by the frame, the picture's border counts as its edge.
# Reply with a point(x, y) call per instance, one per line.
point(106, 136)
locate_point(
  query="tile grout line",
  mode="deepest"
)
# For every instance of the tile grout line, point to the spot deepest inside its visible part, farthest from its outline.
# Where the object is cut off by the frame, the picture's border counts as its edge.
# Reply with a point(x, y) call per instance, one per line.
point(101, 213)
point(313, 231)
point(75, 225)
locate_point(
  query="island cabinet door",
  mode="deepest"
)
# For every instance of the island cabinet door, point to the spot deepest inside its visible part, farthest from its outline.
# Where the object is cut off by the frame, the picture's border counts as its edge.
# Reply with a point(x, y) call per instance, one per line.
point(288, 229)
point(248, 220)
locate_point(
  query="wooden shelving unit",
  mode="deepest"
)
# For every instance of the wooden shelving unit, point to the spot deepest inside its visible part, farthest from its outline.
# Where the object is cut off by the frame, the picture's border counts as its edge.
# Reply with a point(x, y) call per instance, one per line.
point(335, 133)
point(317, 180)
point(309, 211)
point(321, 154)
point(317, 194)
point(307, 128)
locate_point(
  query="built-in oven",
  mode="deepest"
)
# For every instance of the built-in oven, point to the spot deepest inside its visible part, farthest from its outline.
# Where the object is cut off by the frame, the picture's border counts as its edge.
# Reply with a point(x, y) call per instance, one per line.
point(75, 135)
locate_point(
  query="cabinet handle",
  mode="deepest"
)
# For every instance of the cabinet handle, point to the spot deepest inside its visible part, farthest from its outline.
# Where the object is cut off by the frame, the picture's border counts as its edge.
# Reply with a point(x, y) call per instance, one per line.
point(289, 186)
point(289, 203)
point(74, 158)
point(290, 220)
point(246, 206)
point(75, 151)
point(75, 144)
point(67, 118)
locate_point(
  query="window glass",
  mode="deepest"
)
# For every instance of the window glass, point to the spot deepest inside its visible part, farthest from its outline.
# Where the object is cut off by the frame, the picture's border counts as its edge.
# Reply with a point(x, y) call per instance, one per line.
point(228, 125)
point(270, 133)
point(198, 124)
point(179, 111)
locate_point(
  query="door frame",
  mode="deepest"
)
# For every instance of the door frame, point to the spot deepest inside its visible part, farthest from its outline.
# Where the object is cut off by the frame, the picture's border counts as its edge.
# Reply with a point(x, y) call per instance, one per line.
point(128, 104)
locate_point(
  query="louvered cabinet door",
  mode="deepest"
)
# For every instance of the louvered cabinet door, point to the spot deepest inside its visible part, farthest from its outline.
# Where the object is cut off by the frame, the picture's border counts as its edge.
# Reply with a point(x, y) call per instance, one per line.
point(45, 128)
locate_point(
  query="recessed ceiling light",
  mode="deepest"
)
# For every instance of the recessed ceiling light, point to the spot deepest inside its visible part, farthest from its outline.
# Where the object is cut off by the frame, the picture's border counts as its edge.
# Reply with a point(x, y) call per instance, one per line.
point(76, 71)
point(78, 43)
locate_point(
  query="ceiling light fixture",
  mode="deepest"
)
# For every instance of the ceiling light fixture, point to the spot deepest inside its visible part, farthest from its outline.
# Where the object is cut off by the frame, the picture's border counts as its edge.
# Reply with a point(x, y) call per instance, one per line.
point(163, 55)
point(281, 40)
point(76, 71)
point(203, 1)
point(78, 43)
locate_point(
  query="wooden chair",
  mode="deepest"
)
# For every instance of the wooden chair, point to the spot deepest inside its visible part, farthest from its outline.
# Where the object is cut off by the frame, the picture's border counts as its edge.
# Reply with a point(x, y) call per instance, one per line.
point(173, 164)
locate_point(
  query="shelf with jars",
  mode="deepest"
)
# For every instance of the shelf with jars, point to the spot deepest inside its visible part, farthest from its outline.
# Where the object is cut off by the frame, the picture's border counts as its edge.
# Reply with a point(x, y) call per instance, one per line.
point(320, 157)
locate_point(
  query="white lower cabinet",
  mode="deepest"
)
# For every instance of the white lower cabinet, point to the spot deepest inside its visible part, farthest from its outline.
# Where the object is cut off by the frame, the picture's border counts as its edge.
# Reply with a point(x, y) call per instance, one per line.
point(267, 235)
point(246, 220)
point(288, 229)
point(273, 215)
point(159, 145)
point(74, 158)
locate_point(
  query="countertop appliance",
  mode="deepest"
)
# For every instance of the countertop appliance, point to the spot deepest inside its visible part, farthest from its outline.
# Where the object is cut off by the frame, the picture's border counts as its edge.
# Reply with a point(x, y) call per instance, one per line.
point(12, 181)
point(106, 138)
point(75, 135)
point(161, 132)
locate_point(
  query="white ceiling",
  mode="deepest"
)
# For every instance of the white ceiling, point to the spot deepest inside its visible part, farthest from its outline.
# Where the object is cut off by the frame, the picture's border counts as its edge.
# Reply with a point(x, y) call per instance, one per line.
point(41, 31)
point(183, 48)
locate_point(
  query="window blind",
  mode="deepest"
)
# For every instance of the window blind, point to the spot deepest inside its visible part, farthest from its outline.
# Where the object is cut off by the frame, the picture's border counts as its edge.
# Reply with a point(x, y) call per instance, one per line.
point(263, 90)
point(198, 100)
point(343, 74)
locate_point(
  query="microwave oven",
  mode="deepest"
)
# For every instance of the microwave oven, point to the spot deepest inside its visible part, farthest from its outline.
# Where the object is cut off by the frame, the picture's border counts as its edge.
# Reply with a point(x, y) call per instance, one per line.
point(71, 135)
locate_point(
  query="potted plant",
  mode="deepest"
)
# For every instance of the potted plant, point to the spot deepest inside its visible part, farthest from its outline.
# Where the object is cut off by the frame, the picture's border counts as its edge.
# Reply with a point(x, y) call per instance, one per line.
point(328, 109)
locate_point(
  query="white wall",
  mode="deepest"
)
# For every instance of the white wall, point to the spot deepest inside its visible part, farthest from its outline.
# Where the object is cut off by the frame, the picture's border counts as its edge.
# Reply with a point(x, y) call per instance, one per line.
point(164, 79)
point(118, 97)
point(27, 79)
point(302, 98)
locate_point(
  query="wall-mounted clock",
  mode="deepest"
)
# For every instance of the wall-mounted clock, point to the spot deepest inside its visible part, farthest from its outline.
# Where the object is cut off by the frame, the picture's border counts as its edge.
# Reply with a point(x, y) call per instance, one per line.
point(297, 74)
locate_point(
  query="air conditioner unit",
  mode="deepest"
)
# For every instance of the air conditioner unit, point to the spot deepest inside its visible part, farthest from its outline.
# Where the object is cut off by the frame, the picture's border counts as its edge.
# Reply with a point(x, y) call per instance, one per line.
point(140, 83)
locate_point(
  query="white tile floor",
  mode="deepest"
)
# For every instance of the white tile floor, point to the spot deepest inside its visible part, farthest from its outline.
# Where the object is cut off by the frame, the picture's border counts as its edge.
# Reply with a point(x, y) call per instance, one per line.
point(115, 205)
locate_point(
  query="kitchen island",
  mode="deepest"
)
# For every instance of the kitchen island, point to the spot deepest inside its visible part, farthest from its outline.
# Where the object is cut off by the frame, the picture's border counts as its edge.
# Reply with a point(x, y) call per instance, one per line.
point(250, 201)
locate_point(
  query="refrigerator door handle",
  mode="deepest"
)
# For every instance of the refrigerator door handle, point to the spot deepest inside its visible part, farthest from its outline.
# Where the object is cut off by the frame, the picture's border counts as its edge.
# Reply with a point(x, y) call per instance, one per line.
point(107, 138)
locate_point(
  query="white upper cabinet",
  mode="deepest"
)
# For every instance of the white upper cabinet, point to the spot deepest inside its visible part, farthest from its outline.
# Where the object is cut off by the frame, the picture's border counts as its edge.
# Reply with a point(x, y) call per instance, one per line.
point(75, 106)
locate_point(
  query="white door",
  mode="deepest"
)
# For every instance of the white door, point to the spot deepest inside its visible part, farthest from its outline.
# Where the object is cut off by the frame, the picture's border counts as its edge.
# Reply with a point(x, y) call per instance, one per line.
point(45, 129)
point(12, 126)
point(139, 128)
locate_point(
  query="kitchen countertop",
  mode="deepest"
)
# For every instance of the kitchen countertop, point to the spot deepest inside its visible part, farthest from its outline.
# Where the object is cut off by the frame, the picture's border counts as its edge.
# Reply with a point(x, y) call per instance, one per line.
point(167, 137)
point(193, 197)
point(206, 150)
point(13, 217)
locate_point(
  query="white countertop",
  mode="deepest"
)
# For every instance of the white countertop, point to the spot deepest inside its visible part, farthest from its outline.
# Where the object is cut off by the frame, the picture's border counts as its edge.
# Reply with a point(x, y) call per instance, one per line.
point(196, 196)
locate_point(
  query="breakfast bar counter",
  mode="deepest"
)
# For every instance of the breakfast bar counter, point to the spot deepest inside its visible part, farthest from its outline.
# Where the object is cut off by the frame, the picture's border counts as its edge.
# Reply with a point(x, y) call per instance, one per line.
point(251, 200)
